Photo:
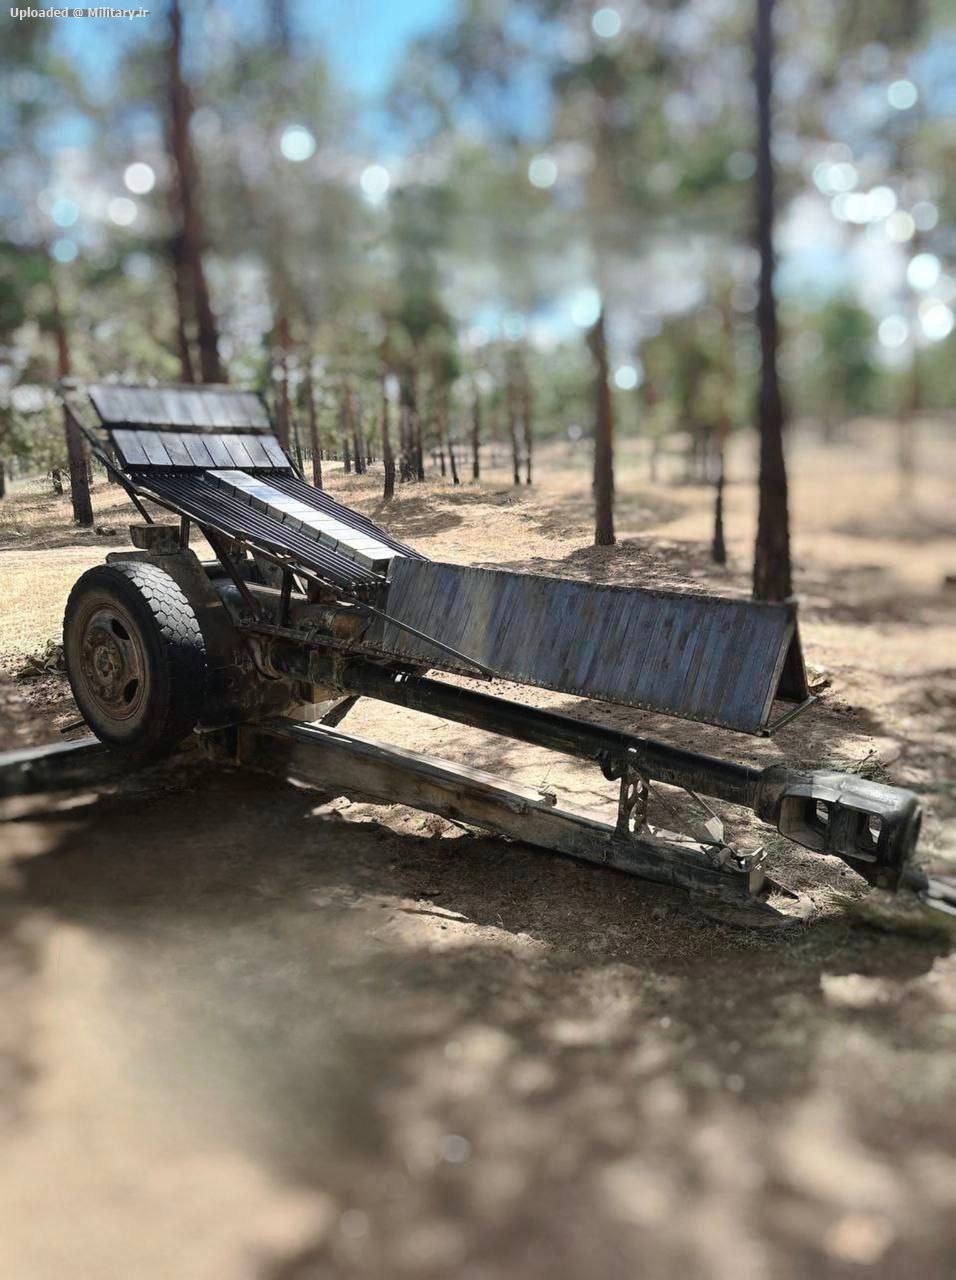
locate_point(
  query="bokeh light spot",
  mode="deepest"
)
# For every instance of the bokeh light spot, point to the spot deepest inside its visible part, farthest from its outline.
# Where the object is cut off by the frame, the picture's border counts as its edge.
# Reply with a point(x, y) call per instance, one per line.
point(64, 249)
point(881, 201)
point(893, 331)
point(923, 271)
point(925, 215)
point(375, 181)
point(900, 227)
point(585, 308)
point(741, 165)
point(936, 320)
point(626, 377)
point(64, 211)
point(542, 172)
point(902, 94)
point(121, 211)
point(139, 178)
point(297, 143)
point(606, 23)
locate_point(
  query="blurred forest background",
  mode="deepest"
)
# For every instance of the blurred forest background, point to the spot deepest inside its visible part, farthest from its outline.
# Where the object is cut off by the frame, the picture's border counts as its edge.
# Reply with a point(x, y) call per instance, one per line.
point(456, 226)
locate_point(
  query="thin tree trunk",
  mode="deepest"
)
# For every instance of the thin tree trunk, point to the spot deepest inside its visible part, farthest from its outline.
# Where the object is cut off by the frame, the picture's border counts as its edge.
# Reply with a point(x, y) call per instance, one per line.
point(772, 569)
point(388, 458)
point(603, 440)
point(282, 341)
point(527, 423)
point(404, 443)
point(476, 436)
point(408, 402)
point(56, 480)
point(75, 446)
point(186, 207)
point(297, 445)
point(315, 437)
point(183, 294)
point(718, 548)
point(511, 411)
point(355, 423)
point(346, 456)
point(444, 439)
point(417, 447)
point(3, 479)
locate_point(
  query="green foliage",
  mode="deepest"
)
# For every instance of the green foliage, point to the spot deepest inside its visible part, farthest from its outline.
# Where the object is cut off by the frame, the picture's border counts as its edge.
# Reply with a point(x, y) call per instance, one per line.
point(466, 261)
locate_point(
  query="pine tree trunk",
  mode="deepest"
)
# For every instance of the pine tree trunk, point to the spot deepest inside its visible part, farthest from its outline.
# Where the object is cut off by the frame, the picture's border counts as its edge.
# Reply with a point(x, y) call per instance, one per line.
point(404, 443)
point(183, 294)
point(315, 436)
point(772, 569)
point(476, 437)
point(75, 445)
point(3, 479)
point(527, 425)
point(388, 458)
point(186, 203)
point(282, 340)
point(346, 456)
point(603, 440)
point(417, 447)
point(297, 445)
point(511, 410)
point(718, 548)
point(358, 443)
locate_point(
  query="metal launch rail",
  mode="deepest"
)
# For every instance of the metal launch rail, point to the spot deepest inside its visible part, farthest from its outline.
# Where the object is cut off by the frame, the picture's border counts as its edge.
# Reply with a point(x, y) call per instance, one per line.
point(308, 602)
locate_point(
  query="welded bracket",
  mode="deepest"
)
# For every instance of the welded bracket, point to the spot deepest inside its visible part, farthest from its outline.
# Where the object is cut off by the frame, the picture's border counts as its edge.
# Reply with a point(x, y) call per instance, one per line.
point(634, 795)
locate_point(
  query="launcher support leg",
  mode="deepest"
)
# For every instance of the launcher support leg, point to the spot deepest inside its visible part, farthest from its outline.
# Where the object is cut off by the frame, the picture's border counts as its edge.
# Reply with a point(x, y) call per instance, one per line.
point(343, 764)
point(62, 766)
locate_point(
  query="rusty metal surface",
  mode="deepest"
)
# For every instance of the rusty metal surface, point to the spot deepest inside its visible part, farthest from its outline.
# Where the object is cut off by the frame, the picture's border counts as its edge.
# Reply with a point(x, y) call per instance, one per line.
point(698, 657)
point(206, 409)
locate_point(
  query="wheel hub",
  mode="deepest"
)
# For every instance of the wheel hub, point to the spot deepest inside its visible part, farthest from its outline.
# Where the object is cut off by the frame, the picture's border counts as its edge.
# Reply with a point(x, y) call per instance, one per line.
point(112, 663)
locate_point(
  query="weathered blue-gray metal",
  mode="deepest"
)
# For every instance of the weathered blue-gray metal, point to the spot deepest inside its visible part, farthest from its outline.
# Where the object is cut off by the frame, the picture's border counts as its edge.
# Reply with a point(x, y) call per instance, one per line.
point(699, 657)
point(201, 409)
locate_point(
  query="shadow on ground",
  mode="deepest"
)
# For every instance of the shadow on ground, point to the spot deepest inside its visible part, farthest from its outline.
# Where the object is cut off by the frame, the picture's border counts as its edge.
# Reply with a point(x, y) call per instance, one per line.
point(504, 1062)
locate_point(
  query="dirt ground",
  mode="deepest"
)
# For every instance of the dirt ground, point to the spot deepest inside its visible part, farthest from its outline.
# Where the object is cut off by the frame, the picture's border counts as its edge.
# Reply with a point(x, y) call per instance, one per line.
point(253, 1031)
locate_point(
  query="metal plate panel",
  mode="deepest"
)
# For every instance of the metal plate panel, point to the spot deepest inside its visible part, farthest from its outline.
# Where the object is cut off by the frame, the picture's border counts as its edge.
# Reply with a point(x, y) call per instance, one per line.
point(152, 442)
point(699, 657)
point(198, 452)
point(175, 444)
point(131, 452)
point(188, 408)
point(276, 454)
point(253, 446)
point(218, 451)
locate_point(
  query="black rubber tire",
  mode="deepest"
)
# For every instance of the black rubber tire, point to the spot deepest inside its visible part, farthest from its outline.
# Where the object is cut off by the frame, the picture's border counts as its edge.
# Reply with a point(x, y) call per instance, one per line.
point(174, 650)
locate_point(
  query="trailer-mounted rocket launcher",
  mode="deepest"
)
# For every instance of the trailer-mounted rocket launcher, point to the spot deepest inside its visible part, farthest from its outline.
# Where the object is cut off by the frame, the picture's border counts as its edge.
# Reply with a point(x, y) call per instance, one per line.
point(306, 601)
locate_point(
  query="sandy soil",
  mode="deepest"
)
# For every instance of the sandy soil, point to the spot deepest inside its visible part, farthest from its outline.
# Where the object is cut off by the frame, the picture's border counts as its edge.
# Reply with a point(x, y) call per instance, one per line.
point(251, 1031)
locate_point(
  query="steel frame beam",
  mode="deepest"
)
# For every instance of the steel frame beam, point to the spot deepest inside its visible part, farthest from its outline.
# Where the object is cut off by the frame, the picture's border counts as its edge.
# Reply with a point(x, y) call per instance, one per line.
point(344, 764)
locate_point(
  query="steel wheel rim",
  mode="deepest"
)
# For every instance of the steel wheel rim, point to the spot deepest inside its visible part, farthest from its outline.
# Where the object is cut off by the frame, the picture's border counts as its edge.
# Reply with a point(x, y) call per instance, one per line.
point(113, 666)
